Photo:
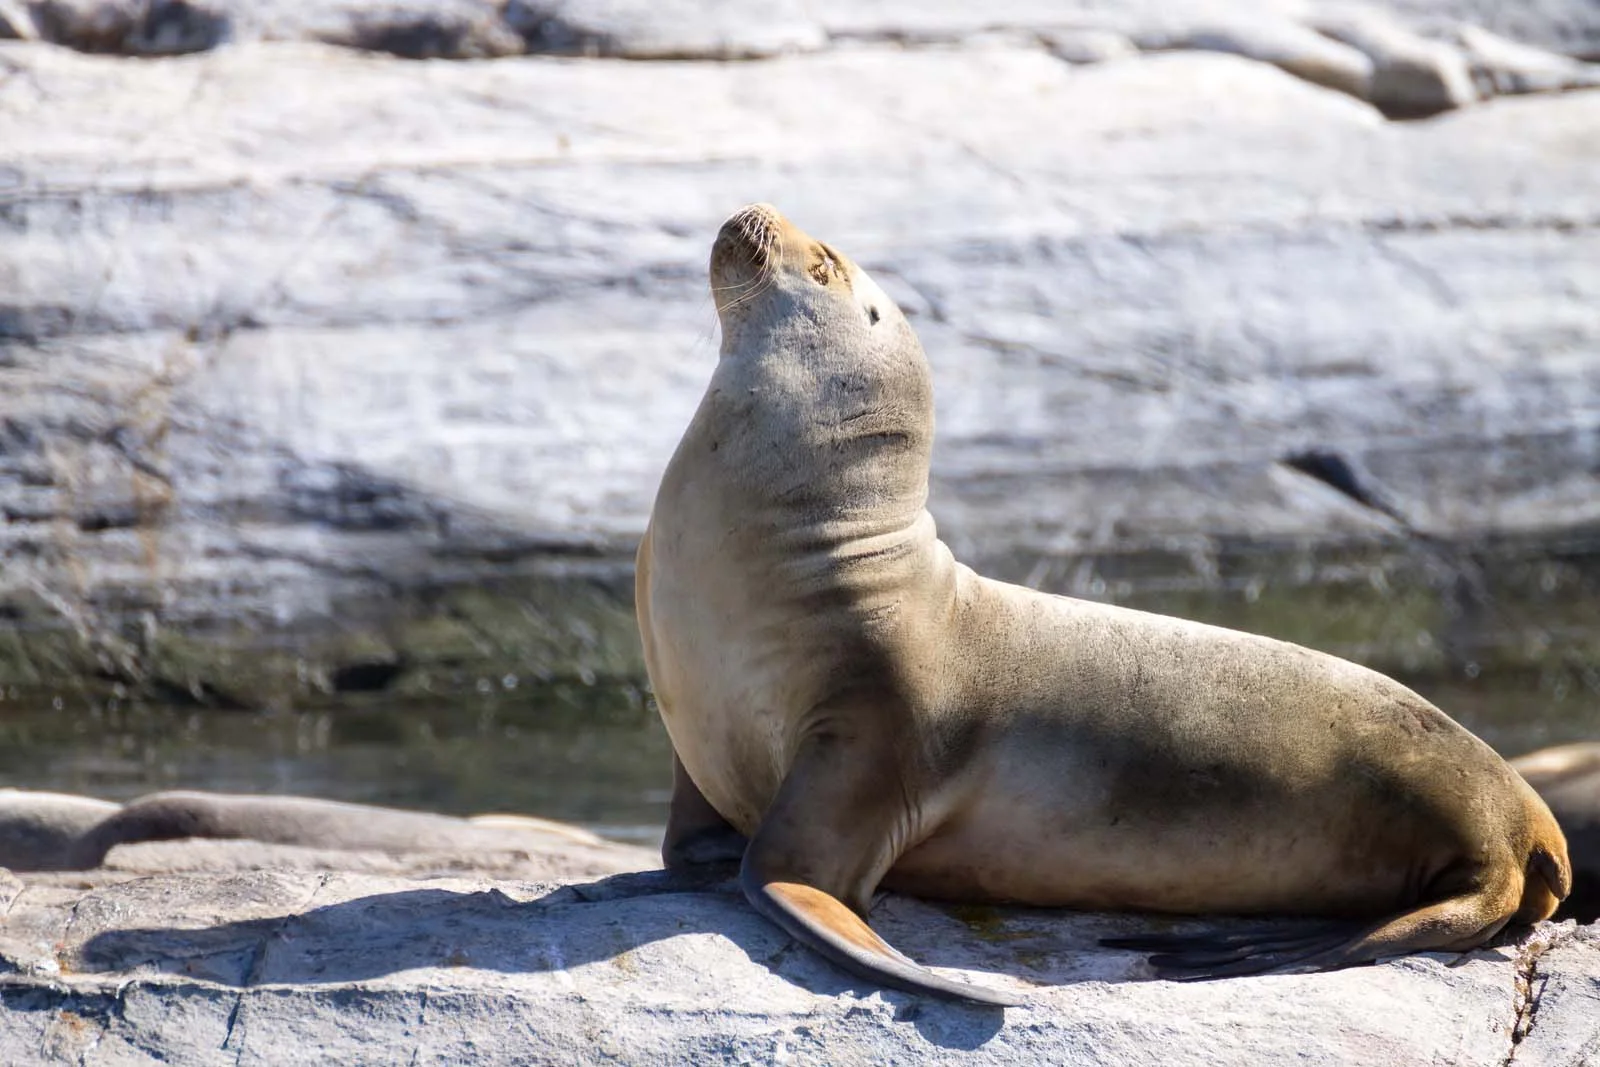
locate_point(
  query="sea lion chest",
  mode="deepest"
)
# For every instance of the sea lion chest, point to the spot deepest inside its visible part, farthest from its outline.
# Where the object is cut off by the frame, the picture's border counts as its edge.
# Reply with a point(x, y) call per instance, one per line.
point(776, 546)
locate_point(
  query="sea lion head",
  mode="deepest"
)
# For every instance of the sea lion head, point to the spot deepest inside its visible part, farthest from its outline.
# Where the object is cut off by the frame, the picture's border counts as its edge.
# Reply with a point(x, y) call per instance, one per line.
point(767, 274)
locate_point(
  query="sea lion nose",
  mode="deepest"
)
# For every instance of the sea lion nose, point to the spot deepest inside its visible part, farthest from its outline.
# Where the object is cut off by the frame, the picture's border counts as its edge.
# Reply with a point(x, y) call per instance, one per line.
point(753, 219)
point(744, 244)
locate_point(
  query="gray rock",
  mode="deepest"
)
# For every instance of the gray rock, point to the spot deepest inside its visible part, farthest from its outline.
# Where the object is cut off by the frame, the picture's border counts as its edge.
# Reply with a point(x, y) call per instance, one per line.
point(1412, 76)
point(131, 27)
point(679, 29)
point(428, 29)
point(16, 22)
point(415, 29)
point(1287, 45)
point(1559, 1013)
point(1087, 45)
point(1420, 74)
point(299, 344)
point(1569, 27)
point(296, 967)
point(1504, 68)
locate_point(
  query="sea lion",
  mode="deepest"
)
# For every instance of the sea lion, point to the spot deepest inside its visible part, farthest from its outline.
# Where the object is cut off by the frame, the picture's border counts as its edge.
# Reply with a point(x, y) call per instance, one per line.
point(39, 831)
point(1568, 778)
point(865, 710)
point(309, 822)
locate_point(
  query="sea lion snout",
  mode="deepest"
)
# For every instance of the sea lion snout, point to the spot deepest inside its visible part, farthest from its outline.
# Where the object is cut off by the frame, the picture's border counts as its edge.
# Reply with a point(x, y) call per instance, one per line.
point(745, 250)
point(755, 223)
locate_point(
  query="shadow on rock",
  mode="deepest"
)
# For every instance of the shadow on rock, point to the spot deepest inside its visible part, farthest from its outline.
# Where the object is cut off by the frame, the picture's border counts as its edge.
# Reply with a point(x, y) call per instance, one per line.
point(576, 925)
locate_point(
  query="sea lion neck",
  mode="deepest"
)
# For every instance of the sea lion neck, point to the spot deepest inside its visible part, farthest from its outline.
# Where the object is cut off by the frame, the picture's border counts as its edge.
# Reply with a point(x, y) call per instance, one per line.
point(815, 430)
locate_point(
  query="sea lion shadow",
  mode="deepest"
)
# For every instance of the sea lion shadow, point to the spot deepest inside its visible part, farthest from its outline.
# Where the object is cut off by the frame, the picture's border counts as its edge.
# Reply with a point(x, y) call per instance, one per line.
point(612, 921)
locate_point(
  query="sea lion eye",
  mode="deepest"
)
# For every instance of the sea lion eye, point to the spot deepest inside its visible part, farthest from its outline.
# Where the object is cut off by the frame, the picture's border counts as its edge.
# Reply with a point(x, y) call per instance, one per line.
point(822, 272)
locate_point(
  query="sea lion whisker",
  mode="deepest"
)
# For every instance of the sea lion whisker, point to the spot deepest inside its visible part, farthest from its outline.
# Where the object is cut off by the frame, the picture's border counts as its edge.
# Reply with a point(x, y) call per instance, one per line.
point(764, 282)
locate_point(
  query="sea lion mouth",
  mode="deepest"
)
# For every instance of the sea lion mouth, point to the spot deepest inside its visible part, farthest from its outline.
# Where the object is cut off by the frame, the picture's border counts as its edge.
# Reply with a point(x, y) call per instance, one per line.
point(745, 253)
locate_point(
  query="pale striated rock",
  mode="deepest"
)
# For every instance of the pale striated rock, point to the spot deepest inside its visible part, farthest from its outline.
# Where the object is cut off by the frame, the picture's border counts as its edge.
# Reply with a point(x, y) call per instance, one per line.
point(417, 29)
point(131, 27)
point(1419, 46)
point(1569, 27)
point(1088, 45)
point(1505, 68)
point(414, 29)
point(1287, 45)
point(666, 29)
point(298, 341)
point(308, 967)
point(1412, 76)
point(16, 22)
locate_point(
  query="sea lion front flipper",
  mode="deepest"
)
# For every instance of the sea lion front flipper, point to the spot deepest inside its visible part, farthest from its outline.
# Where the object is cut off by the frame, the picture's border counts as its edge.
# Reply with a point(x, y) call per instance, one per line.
point(697, 834)
point(818, 842)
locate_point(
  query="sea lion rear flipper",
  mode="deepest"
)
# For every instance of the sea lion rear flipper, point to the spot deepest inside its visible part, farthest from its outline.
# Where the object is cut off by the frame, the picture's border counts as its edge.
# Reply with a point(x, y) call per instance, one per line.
point(697, 834)
point(818, 842)
point(1251, 950)
point(1455, 924)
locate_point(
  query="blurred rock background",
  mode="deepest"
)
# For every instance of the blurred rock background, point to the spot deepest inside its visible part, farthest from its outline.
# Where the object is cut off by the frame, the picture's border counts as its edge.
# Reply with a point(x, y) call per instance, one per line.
point(342, 344)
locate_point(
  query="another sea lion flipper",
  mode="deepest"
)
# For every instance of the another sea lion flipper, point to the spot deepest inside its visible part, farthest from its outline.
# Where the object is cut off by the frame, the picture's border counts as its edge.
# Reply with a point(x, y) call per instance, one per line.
point(697, 834)
point(816, 844)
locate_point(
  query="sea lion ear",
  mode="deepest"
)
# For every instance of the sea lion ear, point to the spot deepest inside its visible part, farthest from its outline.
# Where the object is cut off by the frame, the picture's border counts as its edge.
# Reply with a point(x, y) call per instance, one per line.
point(875, 304)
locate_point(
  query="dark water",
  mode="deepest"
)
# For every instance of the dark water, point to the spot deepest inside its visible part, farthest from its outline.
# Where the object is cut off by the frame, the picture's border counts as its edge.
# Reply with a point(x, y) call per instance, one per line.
point(596, 754)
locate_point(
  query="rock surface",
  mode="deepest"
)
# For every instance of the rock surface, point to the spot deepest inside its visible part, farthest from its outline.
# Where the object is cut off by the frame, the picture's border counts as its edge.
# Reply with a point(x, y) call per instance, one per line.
point(649, 29)
point(321, 369)
point(296, 966)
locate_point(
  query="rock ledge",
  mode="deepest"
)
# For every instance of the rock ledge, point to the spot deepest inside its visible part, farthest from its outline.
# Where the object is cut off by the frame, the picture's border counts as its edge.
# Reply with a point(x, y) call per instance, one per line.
point(296, 966)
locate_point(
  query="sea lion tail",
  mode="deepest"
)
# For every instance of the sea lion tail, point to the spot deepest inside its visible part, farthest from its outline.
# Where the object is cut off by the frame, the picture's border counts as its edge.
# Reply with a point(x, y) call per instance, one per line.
point(824, 924)
point(1552, 869)
point(1547, 874)
point(1547, 880)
